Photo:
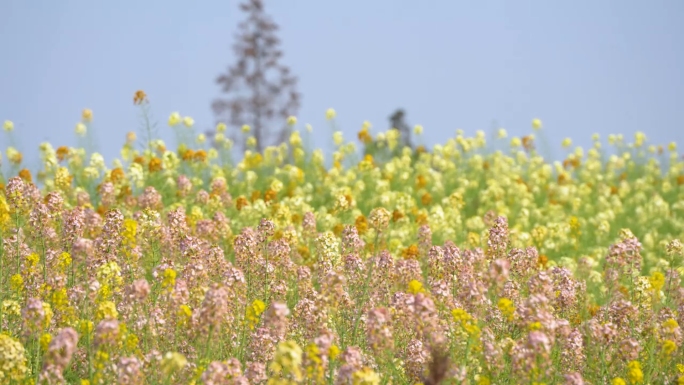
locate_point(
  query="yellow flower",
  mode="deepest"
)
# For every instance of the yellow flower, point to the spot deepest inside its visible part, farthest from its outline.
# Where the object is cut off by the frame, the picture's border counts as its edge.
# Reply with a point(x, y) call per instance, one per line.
point(337, 138)
point(532, 326)
point(45, 341)
point(174, 119)
point(333, 351)
point(188, 122)
point(567, 142)
point(12, 359)
point(415, 287)
point(17, 283)
point(657, 281)
point(330, 114)
point(8, 126)
point(87, 115)
point(618, 381)
point(85, 327)
point(131, 137)
point(292, 120)
point(173, 362)
point(365, 376)
point(639, 139)
point(460, 315)
point(669, 347)
point(507, 308)
point(672, 146)
point(221, 127)
point(634, 373)
point(246, 128)
point(106, 310)
point(295, 139)
point(81, 129)
point(253, 312)
point(288, 360)
point(502, 134)
point(536, 124)
point(184, 314)
point(671, 325)
point(418, 129)
point(169, 280)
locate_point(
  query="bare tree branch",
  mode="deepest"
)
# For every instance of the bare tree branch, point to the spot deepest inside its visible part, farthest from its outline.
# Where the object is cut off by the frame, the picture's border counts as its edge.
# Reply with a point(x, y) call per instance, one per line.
point(260, 92)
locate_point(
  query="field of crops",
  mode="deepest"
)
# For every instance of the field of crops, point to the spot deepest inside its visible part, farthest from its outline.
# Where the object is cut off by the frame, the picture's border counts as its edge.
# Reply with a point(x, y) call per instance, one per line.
point(476, 261)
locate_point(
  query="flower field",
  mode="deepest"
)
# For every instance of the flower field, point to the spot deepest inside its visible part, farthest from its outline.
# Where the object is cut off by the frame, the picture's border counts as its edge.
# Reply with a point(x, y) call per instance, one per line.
point(474, 262)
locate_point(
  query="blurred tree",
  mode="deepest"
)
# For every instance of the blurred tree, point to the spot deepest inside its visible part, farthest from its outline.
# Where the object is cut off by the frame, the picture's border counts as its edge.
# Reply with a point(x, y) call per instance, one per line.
point(397, 121)
point(262, 92)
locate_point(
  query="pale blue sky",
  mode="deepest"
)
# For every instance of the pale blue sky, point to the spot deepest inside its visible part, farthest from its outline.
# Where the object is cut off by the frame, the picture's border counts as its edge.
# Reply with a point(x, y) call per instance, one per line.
point(581, 66)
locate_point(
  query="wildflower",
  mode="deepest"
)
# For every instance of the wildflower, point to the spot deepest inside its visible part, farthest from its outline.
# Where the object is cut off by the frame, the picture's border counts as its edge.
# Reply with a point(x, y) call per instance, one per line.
point(365, 376)
point(639, 139)
point(333, 352)
point(337, 138)
point(502, 134)
point(173, 362)
point(415, 287)
point(174, 119)
point(330, 114)
point(634, 373)
point(669, 347)
point(567, 142)
point(106, 310)
point(140, 97)
point(618, 381)
point(17, 283)
point(44, 341)
point(657, 280)
point(12, 360)
point(8, 126)
point(253, 312)
point(411, 252)
point(188, 122)
point(379, 218)
point(288, 360)
point(507, 308)
point(536, 124)
point(155, 165)
point(418, 129)
point(85, 327)
point(675, 247)
point(221, 127)
point(60, 349)
point(81, 129)
point(87, 115)
point(291, 120)
point(364, 135)
point(169, 279)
